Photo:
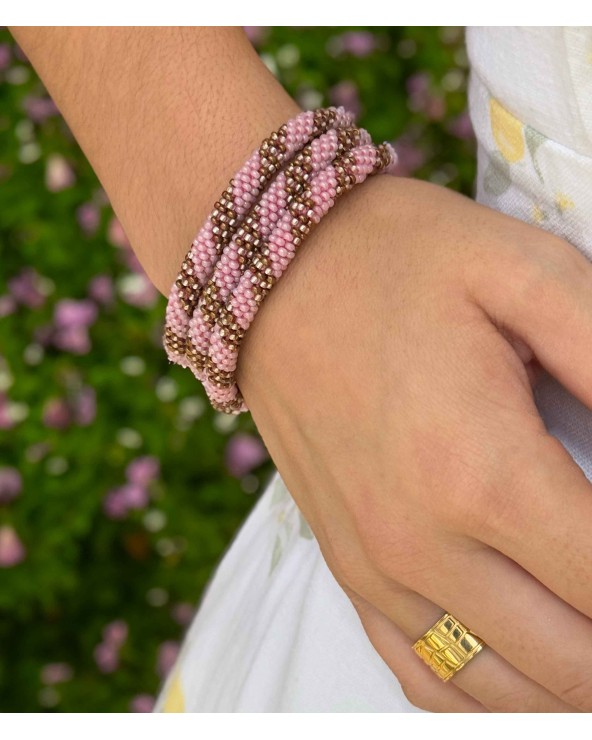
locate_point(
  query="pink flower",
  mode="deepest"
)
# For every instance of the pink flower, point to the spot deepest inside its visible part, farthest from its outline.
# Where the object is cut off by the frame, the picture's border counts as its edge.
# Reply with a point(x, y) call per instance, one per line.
point(410, 156)
point(11, 484)
point(114, 504)
point(119, 501)
point(462, 127)
point(70, 313)
point(73, 339)
point(4, 56)
point(53, 673)
point(100, 289)
point(418, 85)
point(166, 657)
point(132, 262)
point(89, 217)
point(135, 497)
point(106, 657)
point(25, 288)
point(56, 413)
point(115, 633)
point(6, 420)
point(421, 99)
point(358, 43)
point(39, 109)
point(143, 470)
point(59, 175)
point(7, 305)
point(59, 413)
point(72, 319)
point(183, 613)
point(116, 234)
point(20, 54)
point(345, 93)
point(12, 550)
point(84, 406)
point(255, 34)
point(142, 703)
point(243, 453)
point(435, 107)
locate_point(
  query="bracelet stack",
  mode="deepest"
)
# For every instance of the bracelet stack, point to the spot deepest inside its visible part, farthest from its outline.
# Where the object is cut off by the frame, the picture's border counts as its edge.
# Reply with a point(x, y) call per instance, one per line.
point(251, 235)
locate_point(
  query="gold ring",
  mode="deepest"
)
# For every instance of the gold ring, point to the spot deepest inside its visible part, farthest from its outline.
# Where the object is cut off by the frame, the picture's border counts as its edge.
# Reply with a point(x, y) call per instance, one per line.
point(447, 646)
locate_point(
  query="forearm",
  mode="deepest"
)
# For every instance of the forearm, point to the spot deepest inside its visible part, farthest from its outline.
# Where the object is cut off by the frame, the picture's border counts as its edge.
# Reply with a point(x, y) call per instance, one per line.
point(165, 117)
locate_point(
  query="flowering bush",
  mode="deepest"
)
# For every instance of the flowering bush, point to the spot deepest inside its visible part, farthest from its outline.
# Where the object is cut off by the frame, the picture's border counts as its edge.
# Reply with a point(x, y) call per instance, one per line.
point(120, 487)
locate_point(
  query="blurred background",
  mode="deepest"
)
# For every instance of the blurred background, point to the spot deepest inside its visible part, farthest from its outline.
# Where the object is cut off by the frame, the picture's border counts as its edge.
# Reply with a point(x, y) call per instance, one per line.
point(120, 487)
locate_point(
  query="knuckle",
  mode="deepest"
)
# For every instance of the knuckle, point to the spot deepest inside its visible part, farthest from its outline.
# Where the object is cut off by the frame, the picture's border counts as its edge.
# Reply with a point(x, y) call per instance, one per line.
point(491, 499)
point(460, 478)
point(541, 267)
point(393, 547)
point(470, 502)
point(530, 281)
point(473, 482)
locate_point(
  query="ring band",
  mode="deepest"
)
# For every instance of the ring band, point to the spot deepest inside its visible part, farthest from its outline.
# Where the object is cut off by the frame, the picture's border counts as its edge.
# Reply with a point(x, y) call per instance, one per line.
point(447, 646)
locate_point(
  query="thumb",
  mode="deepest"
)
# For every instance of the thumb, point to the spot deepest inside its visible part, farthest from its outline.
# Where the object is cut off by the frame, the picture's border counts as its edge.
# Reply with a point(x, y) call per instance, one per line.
point(539, 295)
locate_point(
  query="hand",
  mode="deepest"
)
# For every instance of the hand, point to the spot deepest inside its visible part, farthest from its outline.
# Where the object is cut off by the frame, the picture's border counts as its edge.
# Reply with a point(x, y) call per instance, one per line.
point(390, 374)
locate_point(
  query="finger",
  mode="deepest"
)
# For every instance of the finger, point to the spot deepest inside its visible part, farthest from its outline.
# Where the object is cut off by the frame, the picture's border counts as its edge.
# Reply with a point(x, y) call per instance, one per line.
point(545, 299)
point(528, 498)
point(526, 625)
point(487, 679)
point(545, 522)
point(419, 683)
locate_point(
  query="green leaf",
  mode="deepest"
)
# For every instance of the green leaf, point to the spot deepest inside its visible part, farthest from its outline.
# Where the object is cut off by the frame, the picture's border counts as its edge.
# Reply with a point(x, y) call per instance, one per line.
point(497, 175)
point(305, 531)
point(279, 492)
point(276, 554)
point(534, 139)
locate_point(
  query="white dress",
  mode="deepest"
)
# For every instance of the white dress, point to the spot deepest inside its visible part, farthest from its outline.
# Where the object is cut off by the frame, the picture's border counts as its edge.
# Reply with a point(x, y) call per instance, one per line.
point(274, 632)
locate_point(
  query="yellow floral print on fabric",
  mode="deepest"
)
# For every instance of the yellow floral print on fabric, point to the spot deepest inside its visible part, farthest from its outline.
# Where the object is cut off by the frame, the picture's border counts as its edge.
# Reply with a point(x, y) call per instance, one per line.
point(538, 215)
point(563, 202)
point(507, 131)
point(174, 700)
point(291, 526)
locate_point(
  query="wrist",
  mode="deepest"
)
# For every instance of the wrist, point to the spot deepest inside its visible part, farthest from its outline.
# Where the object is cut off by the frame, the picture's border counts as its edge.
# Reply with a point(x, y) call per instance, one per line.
point(319, 285)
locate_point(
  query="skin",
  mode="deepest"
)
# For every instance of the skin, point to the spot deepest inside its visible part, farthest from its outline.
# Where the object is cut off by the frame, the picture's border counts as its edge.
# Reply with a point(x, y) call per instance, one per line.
point(415, 323)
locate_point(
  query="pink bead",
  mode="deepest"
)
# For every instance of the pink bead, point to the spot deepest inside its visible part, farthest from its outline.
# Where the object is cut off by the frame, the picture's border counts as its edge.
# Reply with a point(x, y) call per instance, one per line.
point(323, 190)
point(214, 252)
point(268, 211)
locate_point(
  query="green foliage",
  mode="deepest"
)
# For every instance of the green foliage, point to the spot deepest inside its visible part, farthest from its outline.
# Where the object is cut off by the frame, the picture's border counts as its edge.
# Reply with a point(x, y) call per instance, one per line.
point(77, 408)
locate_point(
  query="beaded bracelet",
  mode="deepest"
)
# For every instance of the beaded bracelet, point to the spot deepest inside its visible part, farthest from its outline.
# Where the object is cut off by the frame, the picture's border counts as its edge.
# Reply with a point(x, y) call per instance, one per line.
point(304, 210)
point(256, 228)
point(240, 253)
point(228, 212)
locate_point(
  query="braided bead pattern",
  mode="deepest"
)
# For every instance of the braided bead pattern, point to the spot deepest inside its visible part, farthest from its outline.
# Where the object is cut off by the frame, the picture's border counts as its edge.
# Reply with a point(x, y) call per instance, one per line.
point(304, 208)
point(227, 215)
point(256, 228)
